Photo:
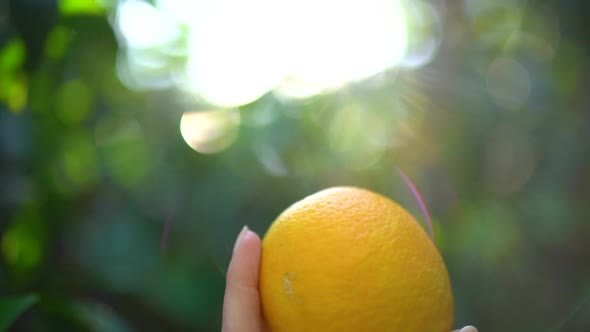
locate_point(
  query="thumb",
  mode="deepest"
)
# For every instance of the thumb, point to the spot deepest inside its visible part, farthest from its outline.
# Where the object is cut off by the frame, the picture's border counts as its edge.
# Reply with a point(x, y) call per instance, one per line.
point(241, 304)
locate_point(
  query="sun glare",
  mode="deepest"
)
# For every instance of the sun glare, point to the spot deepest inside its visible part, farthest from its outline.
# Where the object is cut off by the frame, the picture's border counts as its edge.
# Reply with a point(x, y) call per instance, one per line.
point(240, 50)
point(334, 42)
point(234, 57)
point(143, 25)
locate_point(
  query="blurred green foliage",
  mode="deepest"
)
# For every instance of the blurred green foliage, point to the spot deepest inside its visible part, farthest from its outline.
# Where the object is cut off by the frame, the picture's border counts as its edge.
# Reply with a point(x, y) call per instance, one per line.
point(81, 7)
point(494, 130)
point(12, 307)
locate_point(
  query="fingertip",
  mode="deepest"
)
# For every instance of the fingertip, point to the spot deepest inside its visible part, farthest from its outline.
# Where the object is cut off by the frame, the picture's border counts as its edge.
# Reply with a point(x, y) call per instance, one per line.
point(469, 328)
point(244, 230)
point(245, 260)
point(251, 241)
point(241, 303)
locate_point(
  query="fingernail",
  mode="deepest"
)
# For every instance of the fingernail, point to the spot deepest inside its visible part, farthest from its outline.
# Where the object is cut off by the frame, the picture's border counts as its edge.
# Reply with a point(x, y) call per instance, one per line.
point(468, 329)
point(243, 232)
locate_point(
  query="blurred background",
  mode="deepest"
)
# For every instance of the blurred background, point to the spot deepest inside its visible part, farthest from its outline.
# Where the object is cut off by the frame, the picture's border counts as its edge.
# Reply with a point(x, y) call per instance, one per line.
point(138, 137)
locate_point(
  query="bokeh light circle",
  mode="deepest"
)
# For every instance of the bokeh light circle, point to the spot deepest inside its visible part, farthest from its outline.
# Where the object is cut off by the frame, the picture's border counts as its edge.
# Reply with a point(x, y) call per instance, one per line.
point(210, 131)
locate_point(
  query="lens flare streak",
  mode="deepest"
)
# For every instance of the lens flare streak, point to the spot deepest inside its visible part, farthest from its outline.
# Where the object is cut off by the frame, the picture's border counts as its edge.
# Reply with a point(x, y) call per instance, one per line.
point(165, 228)
point(421, 203)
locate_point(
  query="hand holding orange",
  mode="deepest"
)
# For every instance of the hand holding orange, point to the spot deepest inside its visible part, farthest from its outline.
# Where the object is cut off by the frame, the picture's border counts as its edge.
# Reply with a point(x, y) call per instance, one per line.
point(343, 259)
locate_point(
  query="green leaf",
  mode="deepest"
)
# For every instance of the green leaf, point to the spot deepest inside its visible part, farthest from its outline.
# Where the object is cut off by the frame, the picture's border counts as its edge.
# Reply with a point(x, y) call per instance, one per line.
point(12, 307)
point(78, 7)
point(58, 42)
point(101, 318)
point(12, 56)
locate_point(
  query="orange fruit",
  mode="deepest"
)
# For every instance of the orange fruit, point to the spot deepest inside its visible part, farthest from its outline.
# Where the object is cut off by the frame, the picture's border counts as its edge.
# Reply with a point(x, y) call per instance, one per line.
point(347, 259)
